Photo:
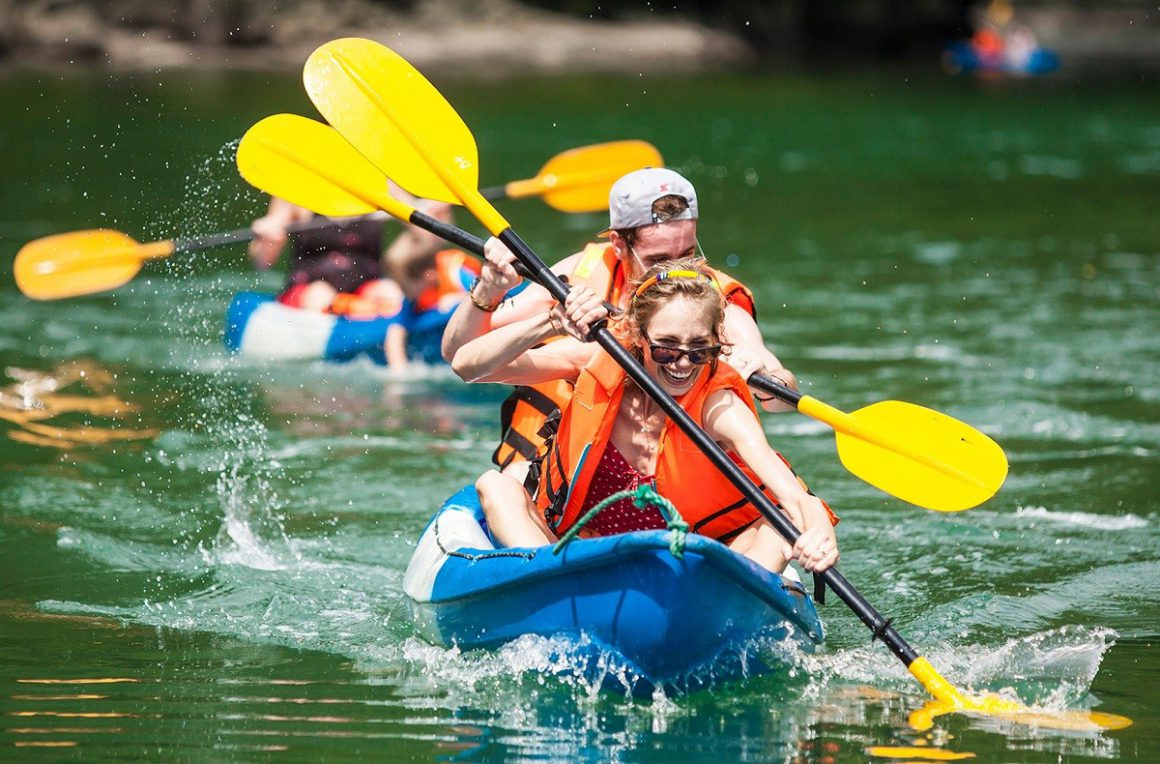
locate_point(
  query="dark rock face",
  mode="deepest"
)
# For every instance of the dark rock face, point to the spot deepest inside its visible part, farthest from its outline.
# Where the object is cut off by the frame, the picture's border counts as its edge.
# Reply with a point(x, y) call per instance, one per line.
point(497, 37)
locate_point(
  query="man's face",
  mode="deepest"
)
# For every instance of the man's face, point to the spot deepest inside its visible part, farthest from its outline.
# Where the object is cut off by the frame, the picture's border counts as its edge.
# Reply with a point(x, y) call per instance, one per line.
point(655, 244)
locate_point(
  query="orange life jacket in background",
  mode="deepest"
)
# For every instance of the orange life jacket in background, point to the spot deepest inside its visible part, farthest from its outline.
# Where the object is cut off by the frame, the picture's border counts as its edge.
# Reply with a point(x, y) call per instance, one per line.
point(684, 474)
point(452, 269)
point(528, 416)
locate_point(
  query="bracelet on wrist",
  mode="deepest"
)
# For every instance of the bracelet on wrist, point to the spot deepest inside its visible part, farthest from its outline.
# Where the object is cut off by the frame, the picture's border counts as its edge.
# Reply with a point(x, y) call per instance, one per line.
point(482, 305)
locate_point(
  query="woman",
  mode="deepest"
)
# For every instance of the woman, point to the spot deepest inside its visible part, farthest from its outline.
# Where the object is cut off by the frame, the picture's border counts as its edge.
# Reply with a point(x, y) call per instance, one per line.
point(613, 436)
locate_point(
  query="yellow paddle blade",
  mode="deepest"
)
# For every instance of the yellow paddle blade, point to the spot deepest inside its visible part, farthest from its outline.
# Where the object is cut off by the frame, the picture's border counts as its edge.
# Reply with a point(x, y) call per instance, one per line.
point(1014, 712)
point(924, 753)
point(917, 454)
point(81, 262)
point(306, 162)
point(356, 84)
point(948, 700)
point(580, 179)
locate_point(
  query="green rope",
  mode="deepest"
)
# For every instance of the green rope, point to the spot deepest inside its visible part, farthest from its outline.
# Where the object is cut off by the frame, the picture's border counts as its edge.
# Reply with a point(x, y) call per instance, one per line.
point(642, 498)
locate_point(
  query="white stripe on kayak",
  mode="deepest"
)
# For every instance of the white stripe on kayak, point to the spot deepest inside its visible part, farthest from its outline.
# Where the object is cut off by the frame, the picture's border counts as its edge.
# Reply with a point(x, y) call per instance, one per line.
point(457, 529)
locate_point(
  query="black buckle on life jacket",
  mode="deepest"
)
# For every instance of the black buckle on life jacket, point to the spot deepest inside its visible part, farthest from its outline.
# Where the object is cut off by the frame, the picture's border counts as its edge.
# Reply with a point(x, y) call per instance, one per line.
point(819, 589)
point(509, 436)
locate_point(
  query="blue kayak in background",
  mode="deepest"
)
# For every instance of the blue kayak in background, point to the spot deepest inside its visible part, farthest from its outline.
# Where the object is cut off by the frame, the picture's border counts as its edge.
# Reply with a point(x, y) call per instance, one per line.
point(258, 326)
point(622, 601)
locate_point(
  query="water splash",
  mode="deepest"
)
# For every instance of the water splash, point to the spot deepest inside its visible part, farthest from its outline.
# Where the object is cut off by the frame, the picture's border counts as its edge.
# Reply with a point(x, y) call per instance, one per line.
point(1051, 669)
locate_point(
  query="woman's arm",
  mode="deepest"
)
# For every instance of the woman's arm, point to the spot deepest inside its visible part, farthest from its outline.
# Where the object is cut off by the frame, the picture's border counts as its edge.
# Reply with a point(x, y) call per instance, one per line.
point(730, 421)
point(470, 321)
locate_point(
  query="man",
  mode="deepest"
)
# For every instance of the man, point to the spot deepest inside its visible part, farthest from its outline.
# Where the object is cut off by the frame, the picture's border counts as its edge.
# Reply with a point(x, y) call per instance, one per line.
point(652, 218)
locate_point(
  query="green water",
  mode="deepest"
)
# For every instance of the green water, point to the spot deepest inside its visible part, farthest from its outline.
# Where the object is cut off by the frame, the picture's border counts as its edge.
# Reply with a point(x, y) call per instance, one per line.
point(231, 571)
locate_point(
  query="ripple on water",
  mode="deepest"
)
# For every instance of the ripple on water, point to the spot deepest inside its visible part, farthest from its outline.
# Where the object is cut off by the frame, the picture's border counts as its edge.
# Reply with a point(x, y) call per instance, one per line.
point(1083, 519)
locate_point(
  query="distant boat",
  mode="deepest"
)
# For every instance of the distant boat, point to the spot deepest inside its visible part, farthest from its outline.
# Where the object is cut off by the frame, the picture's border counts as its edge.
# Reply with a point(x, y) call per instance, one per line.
point(1012, 51)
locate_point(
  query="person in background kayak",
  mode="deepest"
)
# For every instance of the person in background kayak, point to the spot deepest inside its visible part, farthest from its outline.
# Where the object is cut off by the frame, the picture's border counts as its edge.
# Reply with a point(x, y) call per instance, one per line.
point(612, 436)
point(653, 217)
point(338, 269)
point(431, 279)
point(333, 269)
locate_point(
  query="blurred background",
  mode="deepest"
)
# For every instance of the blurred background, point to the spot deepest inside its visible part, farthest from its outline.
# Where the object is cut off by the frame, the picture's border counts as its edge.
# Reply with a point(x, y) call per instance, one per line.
point(571, 35)
point(950, 203)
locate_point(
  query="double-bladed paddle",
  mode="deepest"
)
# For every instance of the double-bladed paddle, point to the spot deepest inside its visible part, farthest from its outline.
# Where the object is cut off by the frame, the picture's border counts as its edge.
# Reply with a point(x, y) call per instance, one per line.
point(912, 452)
point(398, 120)
point(97, 260)
point(578, 180)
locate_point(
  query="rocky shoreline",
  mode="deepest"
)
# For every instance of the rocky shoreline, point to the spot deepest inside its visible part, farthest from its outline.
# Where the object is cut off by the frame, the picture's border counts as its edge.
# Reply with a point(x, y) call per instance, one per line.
point(482, 38)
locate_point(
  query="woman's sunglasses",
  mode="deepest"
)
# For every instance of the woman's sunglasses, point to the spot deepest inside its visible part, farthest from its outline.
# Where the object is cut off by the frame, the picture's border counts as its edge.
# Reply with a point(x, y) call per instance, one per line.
point(666, 354)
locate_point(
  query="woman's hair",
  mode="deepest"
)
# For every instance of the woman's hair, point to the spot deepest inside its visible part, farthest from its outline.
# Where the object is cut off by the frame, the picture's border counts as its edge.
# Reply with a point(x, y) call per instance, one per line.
point(686, 277)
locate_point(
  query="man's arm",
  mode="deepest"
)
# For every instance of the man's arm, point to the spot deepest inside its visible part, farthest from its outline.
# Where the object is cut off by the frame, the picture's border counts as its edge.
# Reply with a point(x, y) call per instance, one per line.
point(742, 331)
point(498, 276)
point(270, 231)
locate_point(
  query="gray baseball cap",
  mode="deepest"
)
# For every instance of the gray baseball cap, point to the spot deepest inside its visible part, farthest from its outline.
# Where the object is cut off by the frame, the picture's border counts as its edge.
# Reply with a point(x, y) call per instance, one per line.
point(630, 202)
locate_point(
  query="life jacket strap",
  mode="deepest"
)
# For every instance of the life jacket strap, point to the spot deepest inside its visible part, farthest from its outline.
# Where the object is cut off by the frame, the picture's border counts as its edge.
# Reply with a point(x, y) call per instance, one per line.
point(511, 438)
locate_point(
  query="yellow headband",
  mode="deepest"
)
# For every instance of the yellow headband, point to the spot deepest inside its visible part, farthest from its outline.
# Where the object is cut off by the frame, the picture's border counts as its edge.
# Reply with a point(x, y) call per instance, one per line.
point(664, 275)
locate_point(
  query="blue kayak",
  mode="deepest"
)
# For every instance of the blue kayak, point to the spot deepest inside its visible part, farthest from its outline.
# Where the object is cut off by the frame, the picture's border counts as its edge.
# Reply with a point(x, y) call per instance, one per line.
point(624, 599)
point(258, 326)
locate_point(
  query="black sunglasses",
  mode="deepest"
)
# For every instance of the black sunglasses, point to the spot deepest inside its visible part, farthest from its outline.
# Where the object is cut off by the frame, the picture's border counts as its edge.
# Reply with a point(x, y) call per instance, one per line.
point(666, 354)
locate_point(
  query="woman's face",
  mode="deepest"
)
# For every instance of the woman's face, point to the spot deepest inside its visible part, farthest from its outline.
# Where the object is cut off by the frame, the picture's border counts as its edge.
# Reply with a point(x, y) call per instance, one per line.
point(684, 324)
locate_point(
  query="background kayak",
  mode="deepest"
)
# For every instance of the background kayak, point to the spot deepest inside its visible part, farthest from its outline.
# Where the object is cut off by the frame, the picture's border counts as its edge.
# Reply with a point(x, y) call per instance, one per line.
point(259, 327)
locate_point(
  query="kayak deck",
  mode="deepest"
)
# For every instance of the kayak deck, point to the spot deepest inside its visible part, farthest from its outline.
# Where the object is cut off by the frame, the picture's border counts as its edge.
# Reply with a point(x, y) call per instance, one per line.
point(667, 620)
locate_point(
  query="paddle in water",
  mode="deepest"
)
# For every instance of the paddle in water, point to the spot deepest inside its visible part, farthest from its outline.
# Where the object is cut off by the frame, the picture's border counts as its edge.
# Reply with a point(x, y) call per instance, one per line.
point(395, 117)
point(87, 262)
point(310, 164)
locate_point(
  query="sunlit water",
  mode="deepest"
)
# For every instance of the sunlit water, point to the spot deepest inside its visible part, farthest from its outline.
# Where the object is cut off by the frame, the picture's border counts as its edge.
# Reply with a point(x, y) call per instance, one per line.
point(202, 556)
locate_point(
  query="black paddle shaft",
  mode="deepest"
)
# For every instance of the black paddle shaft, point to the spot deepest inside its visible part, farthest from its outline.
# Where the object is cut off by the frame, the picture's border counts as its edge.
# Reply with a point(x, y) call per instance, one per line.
point(196, 243)
point(834, 579)
point(446, 231)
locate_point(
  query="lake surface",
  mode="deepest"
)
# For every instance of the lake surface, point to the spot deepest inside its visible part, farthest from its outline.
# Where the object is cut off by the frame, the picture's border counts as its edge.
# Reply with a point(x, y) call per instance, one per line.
point(201, 556)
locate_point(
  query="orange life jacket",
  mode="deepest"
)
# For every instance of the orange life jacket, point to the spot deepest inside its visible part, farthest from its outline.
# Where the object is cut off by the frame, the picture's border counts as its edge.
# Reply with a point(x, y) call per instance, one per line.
point(705, 498)
point(529, 415)
point(451, 265)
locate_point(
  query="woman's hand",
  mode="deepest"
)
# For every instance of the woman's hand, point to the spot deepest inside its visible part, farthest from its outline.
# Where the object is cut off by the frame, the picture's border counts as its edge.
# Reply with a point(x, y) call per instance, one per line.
point(817, 548)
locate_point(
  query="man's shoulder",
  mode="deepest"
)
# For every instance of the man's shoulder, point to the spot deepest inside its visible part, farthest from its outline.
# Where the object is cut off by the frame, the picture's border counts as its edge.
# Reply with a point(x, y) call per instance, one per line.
point(569, 263)
point(592, 253)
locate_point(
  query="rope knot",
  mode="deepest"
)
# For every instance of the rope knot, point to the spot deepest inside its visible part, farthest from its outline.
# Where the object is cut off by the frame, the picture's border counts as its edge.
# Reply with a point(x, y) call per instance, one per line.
point(643, 497)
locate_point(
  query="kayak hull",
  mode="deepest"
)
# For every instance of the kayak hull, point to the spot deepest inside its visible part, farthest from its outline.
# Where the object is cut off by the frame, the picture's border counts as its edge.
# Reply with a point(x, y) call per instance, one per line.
point(625, 599)
point(258, 326)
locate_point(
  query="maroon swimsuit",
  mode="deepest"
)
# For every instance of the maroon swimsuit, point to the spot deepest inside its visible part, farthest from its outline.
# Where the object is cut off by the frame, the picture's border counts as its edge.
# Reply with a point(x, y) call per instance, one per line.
point(614, 474)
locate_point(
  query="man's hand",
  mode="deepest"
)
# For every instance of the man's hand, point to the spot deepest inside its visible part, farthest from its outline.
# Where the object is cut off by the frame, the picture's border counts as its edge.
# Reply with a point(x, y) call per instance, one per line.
point(499, 273)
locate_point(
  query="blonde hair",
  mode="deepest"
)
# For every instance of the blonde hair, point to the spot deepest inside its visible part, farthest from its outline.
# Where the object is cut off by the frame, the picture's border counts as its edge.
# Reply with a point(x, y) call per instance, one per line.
point(658, 285)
